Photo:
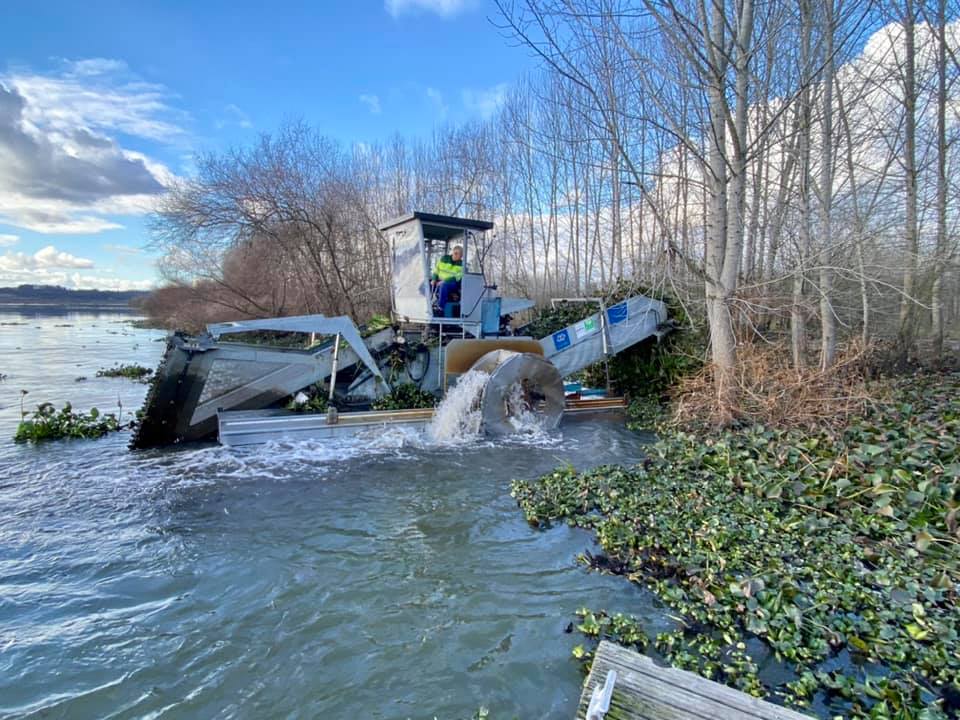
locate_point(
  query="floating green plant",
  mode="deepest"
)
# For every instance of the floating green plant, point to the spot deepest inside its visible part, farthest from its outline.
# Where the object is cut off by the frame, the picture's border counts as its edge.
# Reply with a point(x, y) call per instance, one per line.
point(48, 423)
point(133, 372)
point(816, 544)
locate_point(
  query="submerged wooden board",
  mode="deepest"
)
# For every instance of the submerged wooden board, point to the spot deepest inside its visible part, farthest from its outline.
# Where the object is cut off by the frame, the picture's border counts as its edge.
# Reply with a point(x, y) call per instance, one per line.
point(646, 691)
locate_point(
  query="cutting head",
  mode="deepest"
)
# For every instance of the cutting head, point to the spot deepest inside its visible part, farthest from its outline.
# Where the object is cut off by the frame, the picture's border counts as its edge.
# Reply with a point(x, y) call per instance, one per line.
point(523, 390)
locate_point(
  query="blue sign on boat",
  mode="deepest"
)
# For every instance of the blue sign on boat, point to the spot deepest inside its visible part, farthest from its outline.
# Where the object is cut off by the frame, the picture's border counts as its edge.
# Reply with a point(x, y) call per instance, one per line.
point(617, 313)
point(561, 340)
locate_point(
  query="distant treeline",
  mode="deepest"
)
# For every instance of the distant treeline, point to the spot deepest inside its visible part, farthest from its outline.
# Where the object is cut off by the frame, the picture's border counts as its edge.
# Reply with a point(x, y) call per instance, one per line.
point(55, 295)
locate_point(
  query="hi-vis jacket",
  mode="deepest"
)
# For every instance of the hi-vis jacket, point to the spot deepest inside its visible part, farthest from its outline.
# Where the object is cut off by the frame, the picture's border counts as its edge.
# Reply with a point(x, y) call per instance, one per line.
point(448, 268)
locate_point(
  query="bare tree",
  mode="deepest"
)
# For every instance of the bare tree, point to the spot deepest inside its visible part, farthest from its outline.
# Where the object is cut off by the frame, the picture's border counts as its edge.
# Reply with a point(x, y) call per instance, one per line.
point(908, 21)
point(828, 321)
point(940, 253)
point(745, 158)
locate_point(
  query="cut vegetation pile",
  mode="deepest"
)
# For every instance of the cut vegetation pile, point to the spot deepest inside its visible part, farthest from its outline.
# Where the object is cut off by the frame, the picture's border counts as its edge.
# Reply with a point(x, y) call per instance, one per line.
point(405, 397)
point(838, 549)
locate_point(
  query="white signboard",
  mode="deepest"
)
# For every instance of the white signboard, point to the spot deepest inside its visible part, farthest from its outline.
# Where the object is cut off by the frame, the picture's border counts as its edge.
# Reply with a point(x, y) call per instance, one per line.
point(586, 327)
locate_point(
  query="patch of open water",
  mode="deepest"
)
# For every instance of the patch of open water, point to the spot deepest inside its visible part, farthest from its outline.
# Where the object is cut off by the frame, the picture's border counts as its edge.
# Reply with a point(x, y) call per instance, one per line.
point(388, 579)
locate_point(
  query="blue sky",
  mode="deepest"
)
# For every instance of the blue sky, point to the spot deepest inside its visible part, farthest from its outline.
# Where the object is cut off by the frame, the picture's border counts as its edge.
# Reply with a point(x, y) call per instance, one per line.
point(101, 103)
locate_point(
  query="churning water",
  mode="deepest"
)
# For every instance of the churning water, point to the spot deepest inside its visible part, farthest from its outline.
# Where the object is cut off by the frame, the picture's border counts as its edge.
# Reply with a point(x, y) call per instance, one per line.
point(384, 578)
point(520, 415)
point(458, 416)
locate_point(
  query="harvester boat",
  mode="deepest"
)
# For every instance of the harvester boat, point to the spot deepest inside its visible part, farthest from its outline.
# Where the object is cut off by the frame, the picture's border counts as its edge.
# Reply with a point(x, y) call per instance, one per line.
point(216, 385)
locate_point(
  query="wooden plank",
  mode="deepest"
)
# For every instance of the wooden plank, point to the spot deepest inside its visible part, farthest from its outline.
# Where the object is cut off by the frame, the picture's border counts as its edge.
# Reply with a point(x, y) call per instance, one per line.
point(590, 404)
point(646, 691)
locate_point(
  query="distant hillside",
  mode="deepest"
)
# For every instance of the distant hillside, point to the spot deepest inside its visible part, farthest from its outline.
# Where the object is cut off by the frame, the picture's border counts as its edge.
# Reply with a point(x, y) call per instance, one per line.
point(54, 295)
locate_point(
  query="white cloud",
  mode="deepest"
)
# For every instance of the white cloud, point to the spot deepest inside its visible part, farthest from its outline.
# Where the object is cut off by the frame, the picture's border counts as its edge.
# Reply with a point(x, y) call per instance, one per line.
point(73, 164)
point(8, 240)
point(485, 102)
point(51, 257)
point(72, 280)
point(61, 217)
point(45, 258)
point(128, 250)
point(436, 99)
point(97, 94)
point(95, 66)
point(62, 164)
point(443, 8)
point(372, 102)
point(99, 282)
point(50, 266)
point(234, 116)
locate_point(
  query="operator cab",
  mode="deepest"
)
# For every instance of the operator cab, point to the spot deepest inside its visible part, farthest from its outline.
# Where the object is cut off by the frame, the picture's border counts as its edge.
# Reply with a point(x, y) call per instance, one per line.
point(417, 242)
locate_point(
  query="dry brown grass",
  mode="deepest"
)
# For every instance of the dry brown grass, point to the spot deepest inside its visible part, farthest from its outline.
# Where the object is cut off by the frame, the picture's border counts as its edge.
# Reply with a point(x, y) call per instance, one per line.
point(770, 391)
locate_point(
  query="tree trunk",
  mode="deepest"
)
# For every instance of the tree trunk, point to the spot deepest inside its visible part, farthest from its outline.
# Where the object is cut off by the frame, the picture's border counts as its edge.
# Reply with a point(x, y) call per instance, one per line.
point(798, 312)
point(907, 331)
point(936, 326)
point(828, 322)
point(720, 238)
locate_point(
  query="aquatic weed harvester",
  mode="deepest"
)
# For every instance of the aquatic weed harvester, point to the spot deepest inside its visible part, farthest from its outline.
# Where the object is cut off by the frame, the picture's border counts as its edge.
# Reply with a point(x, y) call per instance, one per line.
point(218, 385)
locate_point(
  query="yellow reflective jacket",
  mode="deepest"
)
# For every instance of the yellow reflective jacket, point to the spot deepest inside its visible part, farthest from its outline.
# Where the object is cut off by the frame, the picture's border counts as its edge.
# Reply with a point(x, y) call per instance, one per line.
point(448, 268)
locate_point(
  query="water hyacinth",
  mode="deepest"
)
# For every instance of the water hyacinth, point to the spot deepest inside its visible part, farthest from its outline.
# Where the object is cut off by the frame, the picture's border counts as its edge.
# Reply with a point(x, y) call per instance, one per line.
point(839, 551)
point(48, 423)
point(131, 371)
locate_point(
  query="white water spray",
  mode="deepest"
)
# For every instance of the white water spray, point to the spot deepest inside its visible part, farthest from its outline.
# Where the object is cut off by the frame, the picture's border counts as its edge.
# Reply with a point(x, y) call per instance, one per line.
point(519, 414)
point(458, 416)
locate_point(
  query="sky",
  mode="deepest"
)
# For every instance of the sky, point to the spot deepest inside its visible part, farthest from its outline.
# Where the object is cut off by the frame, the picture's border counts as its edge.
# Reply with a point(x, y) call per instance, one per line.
point(102, 104)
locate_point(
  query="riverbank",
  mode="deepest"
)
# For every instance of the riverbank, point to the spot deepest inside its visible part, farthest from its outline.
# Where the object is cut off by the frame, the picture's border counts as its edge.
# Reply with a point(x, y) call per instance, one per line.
point(835, 550)
point(55, 296)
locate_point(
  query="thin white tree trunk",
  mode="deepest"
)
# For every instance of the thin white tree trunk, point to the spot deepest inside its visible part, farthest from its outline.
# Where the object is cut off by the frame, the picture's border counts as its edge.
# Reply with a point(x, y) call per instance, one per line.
point(828, 322)
point(907, 331)
point(936, 330)
point(798, 311)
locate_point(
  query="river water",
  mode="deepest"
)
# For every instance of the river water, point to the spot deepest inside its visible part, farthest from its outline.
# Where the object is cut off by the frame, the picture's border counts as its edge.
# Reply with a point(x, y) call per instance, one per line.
point(307, 580)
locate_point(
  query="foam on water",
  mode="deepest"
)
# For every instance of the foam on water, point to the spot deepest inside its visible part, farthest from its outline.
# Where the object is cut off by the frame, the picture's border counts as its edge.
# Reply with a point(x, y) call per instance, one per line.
point(277, 460)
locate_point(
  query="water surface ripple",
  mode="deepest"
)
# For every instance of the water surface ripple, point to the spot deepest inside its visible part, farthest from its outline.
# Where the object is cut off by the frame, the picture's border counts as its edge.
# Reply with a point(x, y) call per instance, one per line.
point(385, 579)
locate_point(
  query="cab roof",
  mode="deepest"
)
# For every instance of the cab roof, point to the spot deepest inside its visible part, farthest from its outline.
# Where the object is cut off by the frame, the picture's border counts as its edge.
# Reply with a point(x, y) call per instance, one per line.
point(433, 223)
